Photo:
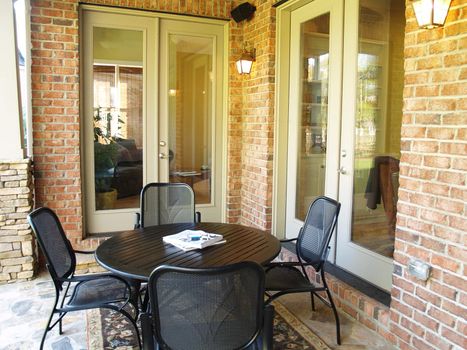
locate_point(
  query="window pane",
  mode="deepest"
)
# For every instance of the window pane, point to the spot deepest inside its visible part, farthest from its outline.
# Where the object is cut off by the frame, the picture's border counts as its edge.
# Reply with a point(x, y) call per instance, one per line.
point(378, 125)
point(191, 116)
point(313, 122)
point(118, 123)
point(21, 39)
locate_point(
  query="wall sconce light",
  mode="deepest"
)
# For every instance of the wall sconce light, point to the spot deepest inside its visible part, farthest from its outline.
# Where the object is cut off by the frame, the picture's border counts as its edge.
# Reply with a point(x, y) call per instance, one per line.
point(431, 13)
point(245, 61)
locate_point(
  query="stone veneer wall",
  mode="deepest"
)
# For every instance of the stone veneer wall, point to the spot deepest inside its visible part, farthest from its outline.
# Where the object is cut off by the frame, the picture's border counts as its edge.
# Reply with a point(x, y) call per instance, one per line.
point(17, 244)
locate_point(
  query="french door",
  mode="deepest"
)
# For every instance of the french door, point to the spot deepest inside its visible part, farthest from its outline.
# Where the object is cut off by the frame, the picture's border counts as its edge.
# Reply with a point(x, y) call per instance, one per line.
point(345, 94)
point(153, 112)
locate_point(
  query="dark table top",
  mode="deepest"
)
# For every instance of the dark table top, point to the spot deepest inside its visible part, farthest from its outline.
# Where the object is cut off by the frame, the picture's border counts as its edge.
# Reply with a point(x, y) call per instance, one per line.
point(136, 253)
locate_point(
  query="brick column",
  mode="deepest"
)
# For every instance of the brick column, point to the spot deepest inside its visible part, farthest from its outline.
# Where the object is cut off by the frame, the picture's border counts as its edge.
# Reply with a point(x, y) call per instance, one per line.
point(431, 215)
point(17, 244)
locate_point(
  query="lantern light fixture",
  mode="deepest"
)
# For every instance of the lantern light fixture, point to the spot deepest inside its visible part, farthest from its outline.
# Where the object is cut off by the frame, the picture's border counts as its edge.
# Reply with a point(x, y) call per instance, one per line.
point(245, 62)
point(431, 13)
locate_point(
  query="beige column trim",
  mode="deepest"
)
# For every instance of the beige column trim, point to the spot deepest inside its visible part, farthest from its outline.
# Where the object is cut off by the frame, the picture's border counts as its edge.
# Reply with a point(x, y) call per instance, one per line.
point(11, 133)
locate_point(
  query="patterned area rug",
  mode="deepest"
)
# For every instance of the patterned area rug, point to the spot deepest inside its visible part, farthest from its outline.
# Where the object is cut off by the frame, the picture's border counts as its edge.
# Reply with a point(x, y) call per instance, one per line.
point(110, 330)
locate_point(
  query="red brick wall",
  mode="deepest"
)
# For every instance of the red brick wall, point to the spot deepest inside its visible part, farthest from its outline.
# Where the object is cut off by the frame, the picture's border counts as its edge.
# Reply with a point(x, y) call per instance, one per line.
point(234, 151)
point(432, 196)
point(55, 109)
point(258, 119)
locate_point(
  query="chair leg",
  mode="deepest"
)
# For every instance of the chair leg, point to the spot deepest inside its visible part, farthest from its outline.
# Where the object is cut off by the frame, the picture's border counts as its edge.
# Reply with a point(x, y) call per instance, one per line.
point(60, 329)
point(268, 327)
point(47, 327)
point(133, 322)
point(333, 307)
point(312, 301)
point(135, 299)
point(147, 332)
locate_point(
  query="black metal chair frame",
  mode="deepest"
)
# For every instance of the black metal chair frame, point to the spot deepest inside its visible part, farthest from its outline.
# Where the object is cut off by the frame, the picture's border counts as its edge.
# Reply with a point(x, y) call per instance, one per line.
point(302, 263)
point(151, 323)
point(140, 216)
point(62, 284)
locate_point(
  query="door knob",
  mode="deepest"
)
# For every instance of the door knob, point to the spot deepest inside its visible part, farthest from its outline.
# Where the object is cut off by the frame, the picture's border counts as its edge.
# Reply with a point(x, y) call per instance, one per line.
point(162, 143)
point(342, 170)
point(163, 156)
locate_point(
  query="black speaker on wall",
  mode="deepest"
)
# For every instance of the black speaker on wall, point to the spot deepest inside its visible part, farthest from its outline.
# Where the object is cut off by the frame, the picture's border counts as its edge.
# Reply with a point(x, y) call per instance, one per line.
point(243, 11)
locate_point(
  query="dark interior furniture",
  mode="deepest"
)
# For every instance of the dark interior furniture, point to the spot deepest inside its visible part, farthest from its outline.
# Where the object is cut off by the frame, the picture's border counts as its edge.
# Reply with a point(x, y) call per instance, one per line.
point(383, 185)
point(128, 171)
point(135, 254)
point(190, 177)
point(166, 203)
point(208, 309)
point(74, 293)
point(312, 249)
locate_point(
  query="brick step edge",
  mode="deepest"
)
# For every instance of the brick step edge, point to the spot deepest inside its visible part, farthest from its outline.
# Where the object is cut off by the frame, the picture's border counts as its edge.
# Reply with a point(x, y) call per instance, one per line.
point(366, 310)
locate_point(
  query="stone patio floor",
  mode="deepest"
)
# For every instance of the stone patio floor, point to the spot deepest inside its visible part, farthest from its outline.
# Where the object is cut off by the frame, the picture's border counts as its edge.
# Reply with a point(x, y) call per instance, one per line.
point(26, 306)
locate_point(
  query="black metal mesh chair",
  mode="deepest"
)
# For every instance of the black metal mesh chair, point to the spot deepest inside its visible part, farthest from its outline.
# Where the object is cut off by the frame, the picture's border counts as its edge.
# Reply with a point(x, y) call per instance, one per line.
point(166, 203)
point(218, 308)
point(312, 249)
point(74, 293)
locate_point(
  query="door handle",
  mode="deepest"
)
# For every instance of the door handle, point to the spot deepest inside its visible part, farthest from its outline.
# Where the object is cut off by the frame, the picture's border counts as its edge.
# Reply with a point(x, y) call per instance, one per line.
point(342, 170)
point(163, 156)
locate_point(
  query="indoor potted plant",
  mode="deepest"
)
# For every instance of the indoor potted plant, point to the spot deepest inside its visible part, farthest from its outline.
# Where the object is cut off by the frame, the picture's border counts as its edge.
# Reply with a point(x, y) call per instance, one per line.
point(105, 160)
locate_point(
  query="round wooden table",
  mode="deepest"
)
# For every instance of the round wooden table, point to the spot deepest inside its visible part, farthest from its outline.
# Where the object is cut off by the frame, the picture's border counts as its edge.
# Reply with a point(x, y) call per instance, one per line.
point(135, 254)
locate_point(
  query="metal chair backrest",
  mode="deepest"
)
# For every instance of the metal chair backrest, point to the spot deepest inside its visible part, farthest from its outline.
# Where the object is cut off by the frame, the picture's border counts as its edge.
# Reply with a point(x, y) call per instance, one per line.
point(59, 254)
point(315, 235)
point(216, 308)
point(167, 203)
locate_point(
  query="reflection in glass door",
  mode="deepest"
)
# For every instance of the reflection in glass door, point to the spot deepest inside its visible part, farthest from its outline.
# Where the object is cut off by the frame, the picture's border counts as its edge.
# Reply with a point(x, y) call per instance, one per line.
point(314, 113)
point(191, 96)
point(350, 153)
point(314, 108)
point(116, 77)
point(373, 85)
point(151, 117)
point(118, 134)
point(190, 113)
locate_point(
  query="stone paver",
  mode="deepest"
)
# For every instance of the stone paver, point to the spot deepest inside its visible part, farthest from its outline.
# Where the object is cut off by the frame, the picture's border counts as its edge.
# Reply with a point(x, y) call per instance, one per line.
point(26, 306)
point(24, 311)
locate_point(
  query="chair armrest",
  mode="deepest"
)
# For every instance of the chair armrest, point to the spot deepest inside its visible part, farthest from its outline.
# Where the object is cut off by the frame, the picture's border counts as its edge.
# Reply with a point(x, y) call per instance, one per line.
point(287, 263)
point(197, 216)
point(137, 220)
point(281, 264)
point(288, 240)
point(84, 251)
point(94, 276)
point(147, 332)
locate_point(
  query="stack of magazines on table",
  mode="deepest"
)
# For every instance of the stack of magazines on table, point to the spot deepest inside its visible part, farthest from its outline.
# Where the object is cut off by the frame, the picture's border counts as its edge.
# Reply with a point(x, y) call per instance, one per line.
point(193, 239)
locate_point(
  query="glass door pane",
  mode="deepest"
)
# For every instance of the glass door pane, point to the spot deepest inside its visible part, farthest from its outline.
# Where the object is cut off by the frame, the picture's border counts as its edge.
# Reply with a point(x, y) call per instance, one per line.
point(118, 117)
point(313, 107)
point(380, 76)
point(313, 121)
point(190, 107)
point(370, 142)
